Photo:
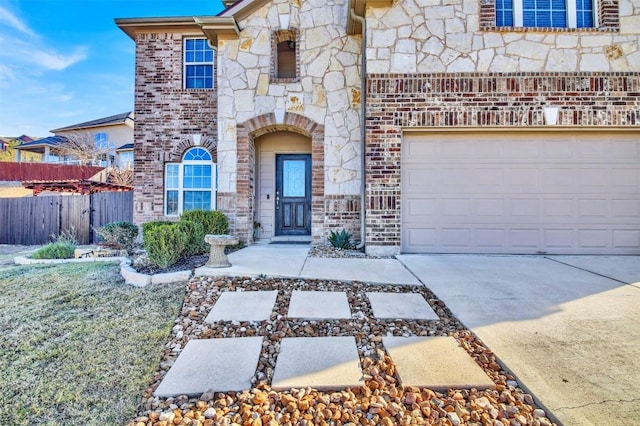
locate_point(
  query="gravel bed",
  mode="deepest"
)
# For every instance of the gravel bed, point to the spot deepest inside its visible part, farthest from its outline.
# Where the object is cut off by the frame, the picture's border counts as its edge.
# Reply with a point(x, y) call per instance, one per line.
point(336, 253)
point(382, 400)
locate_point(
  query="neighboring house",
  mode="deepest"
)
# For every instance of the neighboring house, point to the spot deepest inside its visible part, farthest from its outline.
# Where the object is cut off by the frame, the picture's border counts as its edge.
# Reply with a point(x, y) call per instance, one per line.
point(8, 151)
point(462, 126)
point(124, 156)
point(110, 133)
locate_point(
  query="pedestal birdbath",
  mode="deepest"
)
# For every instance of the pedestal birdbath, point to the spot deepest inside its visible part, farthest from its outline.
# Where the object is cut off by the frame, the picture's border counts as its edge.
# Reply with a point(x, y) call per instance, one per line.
point(217, 257)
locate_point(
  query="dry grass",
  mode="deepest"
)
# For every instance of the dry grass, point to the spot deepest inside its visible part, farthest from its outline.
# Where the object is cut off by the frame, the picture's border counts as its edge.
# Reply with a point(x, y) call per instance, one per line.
point(77, 345)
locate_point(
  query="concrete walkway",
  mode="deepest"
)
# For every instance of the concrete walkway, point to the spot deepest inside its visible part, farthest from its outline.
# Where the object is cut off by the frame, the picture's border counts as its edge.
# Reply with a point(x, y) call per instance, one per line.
point(566, 326)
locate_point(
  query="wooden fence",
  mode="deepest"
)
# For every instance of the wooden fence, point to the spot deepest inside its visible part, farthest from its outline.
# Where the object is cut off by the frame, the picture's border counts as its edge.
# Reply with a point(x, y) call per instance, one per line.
point(34, 220)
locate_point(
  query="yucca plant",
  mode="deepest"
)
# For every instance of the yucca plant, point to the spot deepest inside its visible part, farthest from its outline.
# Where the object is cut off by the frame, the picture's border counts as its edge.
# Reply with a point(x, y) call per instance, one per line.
point(341, 240)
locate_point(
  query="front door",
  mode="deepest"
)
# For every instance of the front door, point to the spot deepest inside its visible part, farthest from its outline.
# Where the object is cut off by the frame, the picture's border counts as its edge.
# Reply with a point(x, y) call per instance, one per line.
point(293, 194)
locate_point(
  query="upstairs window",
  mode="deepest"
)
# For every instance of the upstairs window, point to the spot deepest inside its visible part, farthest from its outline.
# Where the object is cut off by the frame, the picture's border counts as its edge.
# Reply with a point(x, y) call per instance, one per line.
point(198, 64)
point(545, 13)
point(190, 184)
point(286, 67)
point(284, 64)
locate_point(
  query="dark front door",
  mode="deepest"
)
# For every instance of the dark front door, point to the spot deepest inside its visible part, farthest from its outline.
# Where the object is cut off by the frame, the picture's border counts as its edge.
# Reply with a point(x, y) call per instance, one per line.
point(293, 194)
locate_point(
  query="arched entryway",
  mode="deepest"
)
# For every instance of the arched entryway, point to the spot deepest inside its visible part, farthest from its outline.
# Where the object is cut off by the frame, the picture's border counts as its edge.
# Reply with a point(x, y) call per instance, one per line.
point(265, 145)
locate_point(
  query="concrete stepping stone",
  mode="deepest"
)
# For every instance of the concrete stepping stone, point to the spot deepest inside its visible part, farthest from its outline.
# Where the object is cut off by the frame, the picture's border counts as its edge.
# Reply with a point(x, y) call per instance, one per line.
point(218, 365)
point(243, 306)
point(401, 306)
point(325, 363)
point(437, 363)
point(319, 305)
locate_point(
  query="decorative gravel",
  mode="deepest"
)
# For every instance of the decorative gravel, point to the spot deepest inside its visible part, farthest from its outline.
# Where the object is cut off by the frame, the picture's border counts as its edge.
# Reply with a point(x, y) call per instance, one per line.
point(380, 401)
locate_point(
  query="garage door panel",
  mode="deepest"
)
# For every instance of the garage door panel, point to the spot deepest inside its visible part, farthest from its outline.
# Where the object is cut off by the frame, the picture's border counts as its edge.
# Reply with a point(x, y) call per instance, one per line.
point(626, 238)
point(559, 238)
point(494, 193)
point(594, 238)
point(625, 208)
point(495, 238)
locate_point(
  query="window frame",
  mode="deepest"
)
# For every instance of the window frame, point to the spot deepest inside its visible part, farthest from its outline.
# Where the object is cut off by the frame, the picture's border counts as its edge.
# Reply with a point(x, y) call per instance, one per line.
point(279, 36)
point(570, 10)
point(180, 188)
point(186, 64)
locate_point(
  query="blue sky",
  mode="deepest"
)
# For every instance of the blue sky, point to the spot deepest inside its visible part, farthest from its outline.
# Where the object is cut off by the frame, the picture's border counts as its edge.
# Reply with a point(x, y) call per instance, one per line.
point(63, 62)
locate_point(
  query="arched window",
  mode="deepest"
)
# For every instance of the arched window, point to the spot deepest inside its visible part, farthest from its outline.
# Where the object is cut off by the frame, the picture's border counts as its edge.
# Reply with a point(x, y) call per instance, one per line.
point(190, 184)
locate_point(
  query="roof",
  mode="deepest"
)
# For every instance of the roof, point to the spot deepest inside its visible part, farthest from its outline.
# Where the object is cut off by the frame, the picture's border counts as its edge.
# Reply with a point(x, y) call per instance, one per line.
point(38, 146)
point(125, 147)
point(20, 172)
point(106, 121)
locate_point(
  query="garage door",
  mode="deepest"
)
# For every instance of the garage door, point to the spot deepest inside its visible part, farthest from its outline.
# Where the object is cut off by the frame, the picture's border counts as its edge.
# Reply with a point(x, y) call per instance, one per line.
point(521, 193)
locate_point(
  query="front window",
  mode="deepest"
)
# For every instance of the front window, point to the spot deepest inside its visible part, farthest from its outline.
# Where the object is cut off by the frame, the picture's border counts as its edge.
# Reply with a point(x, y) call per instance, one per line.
point(198, 64)
point(545, 13)
point(190, 184)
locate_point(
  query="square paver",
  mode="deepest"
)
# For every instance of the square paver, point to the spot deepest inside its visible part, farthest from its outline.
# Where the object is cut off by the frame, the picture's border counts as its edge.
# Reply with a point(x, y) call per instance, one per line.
point(325, 363)
point(218, 365)
point(243, 306)
point(319, 305)
point(437, 363)
point(401, 306)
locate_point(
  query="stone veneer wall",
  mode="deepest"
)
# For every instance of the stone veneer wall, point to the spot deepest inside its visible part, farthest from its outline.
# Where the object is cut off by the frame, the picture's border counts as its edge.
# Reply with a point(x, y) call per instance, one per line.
point(166, 117)
point(326, 92)
point(456, 36)
point(475, 100)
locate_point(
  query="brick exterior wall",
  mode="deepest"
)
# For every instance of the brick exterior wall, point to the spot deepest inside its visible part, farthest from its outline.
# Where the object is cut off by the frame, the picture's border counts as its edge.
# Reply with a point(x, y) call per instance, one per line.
point(166, 117)
point(342, 212)
point(396, 102)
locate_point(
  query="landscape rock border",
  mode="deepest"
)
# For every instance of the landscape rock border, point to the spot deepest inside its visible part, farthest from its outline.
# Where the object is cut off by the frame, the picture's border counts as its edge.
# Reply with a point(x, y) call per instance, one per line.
point(129, 274)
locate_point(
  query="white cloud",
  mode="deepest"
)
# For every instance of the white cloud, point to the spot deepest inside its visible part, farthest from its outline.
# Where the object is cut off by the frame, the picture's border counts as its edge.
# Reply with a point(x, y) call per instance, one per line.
point(18, 50)
point(56, 61)
point(13, 21)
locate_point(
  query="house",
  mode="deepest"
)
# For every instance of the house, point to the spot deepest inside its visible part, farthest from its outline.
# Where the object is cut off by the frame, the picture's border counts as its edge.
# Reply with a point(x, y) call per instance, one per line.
point(109, 134)
point(460, 126)
point(8, 150)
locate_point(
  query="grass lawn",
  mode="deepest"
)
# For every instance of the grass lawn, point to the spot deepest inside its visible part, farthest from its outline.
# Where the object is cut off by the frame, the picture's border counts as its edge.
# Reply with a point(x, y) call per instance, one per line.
point(77, 345)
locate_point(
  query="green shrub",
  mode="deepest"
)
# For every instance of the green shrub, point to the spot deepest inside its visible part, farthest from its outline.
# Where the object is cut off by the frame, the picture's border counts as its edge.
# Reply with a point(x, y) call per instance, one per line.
point(151, 225)
point(57, 250)
point(341, 240)
point(164, 244)
point(213, 221)
point(194, 233)
point(120, 235)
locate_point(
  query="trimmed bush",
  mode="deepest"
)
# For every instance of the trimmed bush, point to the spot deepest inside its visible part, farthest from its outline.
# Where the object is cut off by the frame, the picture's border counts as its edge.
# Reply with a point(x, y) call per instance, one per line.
point(194, 233)
point(58, 250)
point(213, 221)
point(121, 235)
point(165, 244)
point(146, 227)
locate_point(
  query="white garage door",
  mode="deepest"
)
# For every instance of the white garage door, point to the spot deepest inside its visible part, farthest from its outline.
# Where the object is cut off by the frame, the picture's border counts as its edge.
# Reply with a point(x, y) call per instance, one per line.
point(562, 193)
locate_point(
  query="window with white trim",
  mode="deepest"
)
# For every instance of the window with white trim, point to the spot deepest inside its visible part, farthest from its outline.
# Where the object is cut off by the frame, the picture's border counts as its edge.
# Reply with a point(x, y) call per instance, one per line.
point(190, 184)
point(545, 13)
point(198, 64)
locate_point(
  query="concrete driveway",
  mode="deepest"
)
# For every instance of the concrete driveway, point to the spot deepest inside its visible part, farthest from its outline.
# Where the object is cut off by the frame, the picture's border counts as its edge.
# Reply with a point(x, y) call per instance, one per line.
point(567, 326)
